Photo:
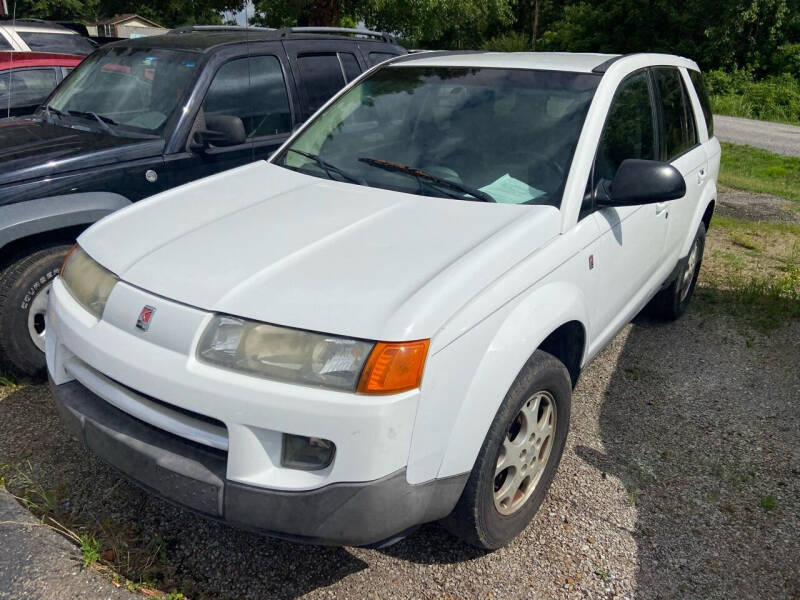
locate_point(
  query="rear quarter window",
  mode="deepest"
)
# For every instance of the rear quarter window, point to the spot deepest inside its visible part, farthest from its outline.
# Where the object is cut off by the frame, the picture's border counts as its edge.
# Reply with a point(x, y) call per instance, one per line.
point(375, 58)
point(702, 93)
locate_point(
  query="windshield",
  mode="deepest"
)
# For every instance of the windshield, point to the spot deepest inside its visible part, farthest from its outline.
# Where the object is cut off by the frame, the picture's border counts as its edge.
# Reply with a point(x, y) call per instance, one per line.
point(126, 90)
point(482, 134)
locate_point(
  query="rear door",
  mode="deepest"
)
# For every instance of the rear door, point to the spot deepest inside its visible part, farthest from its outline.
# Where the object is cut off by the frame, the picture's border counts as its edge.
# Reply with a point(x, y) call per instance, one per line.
point(321, 68)
point(680, 146)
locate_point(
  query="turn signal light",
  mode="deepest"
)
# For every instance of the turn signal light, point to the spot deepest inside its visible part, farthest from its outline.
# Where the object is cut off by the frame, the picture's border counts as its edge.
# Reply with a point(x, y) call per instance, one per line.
point(66, 258)
point(394, 367)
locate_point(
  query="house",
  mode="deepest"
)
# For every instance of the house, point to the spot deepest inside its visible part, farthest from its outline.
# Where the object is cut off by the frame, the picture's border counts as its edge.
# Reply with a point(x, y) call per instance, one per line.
point(128, 26)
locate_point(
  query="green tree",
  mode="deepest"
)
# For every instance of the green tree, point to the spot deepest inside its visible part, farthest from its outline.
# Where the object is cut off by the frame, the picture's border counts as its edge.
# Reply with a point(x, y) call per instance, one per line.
point(170, 13)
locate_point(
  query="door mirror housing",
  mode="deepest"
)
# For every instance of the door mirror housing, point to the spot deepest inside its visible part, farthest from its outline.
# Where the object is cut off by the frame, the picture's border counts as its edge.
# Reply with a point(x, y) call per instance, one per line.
point(220, 131)
point(642, 182)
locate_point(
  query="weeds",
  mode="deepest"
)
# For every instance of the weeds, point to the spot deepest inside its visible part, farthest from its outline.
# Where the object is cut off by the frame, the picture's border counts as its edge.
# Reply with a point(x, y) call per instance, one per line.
point(603, 573)
point(769, 503)
point(137, 564)
point(90, 549)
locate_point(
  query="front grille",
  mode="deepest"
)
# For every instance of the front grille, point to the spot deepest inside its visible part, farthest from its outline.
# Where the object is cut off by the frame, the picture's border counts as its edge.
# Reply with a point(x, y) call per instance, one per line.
point(195, 427)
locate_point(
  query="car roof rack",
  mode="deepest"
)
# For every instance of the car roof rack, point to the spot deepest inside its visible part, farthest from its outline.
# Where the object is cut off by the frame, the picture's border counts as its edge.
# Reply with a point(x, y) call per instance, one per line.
point(385, 37)
point(215, 28)
point(603, 66)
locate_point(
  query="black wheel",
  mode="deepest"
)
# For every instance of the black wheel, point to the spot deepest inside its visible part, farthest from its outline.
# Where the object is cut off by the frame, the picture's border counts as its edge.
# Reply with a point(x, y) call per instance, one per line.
point(671, 302)
point(24, 286)
point(519, 456)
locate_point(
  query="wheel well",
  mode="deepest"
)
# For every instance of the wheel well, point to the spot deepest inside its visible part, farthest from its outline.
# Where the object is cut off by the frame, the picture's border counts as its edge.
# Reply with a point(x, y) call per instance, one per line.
point(26, 245)
point(707, 215)
point(567, 343)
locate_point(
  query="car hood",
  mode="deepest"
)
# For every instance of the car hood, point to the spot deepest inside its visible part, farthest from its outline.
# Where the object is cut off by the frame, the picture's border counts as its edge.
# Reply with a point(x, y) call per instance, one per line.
point(270, 244)
point(31, 148)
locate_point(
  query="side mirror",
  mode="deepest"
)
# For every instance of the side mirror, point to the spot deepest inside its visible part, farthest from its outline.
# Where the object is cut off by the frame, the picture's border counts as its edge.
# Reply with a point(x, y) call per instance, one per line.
point(221, 130)
point(643, 182)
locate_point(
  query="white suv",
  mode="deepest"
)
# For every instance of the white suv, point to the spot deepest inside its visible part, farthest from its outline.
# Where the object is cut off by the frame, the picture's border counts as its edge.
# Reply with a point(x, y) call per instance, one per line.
point(382, 325)
point(27, 35)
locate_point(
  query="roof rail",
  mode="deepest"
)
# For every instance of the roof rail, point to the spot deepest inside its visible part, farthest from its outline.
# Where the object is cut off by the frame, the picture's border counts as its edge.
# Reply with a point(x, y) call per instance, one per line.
point(603, 66)
point(212, 28)
point(343, 31)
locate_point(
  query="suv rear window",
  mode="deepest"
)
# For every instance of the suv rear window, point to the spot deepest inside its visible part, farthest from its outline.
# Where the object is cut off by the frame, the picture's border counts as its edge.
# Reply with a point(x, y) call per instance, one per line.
point(68, 43)
point(702, 93)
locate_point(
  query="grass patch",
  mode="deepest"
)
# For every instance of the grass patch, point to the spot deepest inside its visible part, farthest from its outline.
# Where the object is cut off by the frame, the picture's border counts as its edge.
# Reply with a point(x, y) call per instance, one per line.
point(752, 270)
point(758, 170)
point(768, 503)
point(745, 241)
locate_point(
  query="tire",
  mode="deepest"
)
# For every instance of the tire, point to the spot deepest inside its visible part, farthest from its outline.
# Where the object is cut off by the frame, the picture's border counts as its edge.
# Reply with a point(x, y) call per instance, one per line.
point(480, 517)
point(24, 285)
point(671, 302)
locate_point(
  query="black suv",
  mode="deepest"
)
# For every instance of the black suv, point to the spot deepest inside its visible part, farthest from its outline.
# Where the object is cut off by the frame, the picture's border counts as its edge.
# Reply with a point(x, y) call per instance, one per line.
point(141, 116)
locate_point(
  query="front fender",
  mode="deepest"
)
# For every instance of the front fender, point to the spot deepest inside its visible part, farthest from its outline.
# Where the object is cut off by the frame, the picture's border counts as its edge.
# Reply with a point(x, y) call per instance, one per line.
point(23, 219)
point(471, 376)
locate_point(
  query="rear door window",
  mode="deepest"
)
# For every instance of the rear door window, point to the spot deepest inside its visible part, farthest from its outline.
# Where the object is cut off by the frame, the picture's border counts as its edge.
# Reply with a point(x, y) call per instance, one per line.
point(4, 43)
point(254, 90)
point(677, 117)
point(26, 87)
point(322, 77)
point(702, 94)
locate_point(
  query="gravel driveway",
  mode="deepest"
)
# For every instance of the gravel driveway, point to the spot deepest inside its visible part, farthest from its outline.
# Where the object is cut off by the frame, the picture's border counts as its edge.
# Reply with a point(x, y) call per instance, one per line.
point(775, 137)
point(679, 433)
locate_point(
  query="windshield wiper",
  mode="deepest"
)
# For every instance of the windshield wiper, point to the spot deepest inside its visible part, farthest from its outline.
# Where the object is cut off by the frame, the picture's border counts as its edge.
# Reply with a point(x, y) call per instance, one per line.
point(50, 111)
point(328, 167)
point(104, 121)
point(420, 174)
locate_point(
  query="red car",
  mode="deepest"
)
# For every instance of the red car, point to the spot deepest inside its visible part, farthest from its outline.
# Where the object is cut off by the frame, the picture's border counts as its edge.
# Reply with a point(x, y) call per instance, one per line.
point(27, 78)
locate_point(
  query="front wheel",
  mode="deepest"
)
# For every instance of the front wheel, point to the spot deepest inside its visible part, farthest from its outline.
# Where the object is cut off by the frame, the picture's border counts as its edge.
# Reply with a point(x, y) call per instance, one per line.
point(519, 456)
point(24, 286)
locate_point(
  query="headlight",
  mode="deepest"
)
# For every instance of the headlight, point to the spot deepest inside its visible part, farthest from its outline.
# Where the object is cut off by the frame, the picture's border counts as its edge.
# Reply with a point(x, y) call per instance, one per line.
point(309, 358)
point(284, 354)
point(88, 282)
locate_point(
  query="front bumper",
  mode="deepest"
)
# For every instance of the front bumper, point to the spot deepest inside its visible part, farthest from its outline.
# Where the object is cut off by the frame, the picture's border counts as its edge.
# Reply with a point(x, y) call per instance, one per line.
point(211, 439)
point(193, 475)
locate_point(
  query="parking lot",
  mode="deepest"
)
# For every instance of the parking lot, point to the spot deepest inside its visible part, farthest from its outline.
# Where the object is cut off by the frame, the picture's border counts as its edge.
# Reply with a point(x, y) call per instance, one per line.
point(680, 479)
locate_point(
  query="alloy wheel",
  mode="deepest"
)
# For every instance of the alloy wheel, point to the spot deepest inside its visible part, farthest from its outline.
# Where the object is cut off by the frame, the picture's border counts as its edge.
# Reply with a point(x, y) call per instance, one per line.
point(524, 453)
